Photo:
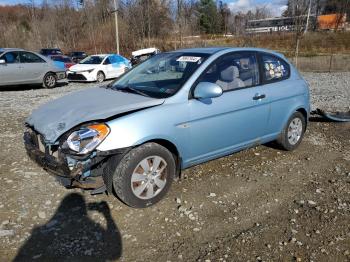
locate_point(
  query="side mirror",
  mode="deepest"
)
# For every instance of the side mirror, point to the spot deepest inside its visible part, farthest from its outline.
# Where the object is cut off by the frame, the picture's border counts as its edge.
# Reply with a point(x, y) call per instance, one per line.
point(207, 90)
point(2, 61)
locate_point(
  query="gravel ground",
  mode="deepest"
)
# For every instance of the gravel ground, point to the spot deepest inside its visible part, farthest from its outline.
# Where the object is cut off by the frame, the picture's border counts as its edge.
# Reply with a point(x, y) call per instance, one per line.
point(329, 91)
point(261, 204)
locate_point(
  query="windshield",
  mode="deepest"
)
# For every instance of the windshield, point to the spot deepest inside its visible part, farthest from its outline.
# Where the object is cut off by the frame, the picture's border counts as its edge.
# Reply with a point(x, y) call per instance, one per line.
point(1, 53)
point(162, 75)
point(92, 60)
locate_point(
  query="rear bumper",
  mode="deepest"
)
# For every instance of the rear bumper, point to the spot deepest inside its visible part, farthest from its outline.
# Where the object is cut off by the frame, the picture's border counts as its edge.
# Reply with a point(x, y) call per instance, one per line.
point(61, 75)
point(87, 172)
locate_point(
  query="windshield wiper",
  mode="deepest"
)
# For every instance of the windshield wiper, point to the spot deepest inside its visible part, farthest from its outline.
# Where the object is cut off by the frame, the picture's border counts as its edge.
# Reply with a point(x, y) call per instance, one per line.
point(131, 89)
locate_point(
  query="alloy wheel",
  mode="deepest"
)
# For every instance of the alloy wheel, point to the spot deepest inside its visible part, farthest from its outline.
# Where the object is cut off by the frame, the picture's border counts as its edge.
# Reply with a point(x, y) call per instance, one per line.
point(295, 130)
point(149, 177)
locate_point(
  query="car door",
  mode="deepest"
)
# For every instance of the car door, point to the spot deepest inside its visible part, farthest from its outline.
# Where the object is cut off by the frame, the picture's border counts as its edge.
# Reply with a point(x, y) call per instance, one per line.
point(10, 71)
point(33, 66)
point(237, 118)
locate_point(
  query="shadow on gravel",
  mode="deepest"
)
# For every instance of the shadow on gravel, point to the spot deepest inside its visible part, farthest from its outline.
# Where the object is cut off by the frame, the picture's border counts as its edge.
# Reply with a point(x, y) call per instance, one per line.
point(318, 119)
point(28, 87)
point(70, 235)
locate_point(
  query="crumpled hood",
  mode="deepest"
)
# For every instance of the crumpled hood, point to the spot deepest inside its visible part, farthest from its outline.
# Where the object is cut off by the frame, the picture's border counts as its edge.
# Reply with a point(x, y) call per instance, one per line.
point(58, 116)
point(81, 67)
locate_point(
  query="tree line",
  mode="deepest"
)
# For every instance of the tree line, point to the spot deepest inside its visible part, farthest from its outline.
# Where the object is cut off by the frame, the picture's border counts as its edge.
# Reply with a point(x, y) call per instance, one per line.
point(89, 24)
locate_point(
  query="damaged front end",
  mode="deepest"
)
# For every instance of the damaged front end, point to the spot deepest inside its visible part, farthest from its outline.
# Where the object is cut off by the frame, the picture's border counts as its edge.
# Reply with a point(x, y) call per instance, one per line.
point(82, 168)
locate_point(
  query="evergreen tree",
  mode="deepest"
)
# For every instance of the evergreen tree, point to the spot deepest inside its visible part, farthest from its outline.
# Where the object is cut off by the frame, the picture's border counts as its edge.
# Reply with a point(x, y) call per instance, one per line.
point(208, 17)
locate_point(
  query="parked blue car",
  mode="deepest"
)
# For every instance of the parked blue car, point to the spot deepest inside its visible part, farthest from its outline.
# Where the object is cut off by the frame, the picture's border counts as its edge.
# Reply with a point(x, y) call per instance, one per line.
point(175, 110)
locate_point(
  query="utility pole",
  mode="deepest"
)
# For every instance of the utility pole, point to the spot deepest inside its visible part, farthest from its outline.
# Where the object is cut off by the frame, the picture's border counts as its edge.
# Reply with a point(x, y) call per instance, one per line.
point(308, 17)
point(116, 25)
point(149, 23)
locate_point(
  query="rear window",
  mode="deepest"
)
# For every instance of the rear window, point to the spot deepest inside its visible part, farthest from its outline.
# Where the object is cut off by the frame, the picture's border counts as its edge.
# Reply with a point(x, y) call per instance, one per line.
point(274, 68)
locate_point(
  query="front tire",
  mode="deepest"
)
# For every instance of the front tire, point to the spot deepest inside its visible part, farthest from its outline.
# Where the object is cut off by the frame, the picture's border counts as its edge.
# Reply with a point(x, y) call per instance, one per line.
point(100, 77)
point(50, 80)
point(144, 175)
point(293, 132)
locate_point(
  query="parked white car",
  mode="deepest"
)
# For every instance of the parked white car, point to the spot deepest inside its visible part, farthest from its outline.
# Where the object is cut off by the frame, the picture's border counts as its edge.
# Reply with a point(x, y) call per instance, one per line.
point(98, 68)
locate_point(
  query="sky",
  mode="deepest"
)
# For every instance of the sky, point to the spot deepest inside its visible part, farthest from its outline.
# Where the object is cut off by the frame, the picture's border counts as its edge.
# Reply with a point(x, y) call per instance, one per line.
point(276, 7)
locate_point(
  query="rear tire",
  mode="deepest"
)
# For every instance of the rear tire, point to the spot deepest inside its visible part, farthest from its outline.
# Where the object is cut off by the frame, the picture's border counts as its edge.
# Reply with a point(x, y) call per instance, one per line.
point(144, 175)
point(100, 77)
point(50, 80)
point(293, 133)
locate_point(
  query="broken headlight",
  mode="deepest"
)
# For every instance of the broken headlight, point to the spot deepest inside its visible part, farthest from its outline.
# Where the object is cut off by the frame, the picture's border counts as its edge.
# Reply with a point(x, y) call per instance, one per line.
point(87, 138)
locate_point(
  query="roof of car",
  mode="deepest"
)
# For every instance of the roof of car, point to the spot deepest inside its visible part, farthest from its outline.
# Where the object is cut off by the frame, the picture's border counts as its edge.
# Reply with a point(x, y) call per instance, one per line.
point(144, 51)
point(213, 50)
point(205, 50)
point(10, 49)
point(50, 49)
point(100, 55)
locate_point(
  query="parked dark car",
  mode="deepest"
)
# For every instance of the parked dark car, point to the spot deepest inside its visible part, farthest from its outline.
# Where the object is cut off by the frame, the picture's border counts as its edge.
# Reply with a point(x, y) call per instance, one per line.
point(50, 51)
point(64, 60)
point(77, 56)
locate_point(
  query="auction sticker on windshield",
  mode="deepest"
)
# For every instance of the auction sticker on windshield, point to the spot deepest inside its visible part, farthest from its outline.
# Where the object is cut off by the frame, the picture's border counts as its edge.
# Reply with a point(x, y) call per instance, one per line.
point(192, 59)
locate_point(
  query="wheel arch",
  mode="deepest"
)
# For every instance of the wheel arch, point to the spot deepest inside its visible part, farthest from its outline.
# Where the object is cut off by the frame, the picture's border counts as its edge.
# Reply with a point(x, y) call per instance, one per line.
point(49, 72)
point(300, 109)
point(172, 148)
point(304, 113)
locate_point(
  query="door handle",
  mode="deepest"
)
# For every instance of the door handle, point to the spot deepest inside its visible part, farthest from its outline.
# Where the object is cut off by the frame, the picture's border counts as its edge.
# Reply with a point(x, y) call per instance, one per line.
point(258, 96)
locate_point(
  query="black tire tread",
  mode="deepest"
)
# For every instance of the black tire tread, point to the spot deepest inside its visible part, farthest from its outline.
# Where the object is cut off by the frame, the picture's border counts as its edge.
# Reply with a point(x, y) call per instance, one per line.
point(282, 141)
point(125, 163)
point(44, 84)
point(104, 76)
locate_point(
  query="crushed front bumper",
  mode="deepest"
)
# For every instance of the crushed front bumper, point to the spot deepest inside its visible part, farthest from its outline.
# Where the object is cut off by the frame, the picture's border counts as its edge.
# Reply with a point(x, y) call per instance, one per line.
point(92, 171)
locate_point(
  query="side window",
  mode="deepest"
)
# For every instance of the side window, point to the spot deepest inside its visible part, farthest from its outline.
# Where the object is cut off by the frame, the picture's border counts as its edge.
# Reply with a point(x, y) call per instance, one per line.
point(233, 71)
point(27, 57)
point(11, 57)
point(107, 61)
point(274, 68)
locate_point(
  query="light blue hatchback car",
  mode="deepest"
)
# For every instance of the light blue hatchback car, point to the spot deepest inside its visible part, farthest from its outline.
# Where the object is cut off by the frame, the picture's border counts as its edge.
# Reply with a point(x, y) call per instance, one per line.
point(175, 110)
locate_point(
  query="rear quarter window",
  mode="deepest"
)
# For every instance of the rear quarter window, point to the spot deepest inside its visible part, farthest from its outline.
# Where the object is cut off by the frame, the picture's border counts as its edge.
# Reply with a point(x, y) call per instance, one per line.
point(274, 68)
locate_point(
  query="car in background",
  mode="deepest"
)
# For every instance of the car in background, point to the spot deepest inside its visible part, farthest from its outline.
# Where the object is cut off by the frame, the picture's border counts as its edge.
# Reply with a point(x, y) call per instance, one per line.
point(143, 54)
point(98, 68)
point(18, 66)
point(50, 51)
point(77, 56)
point(62, 61)
point(178, 109)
